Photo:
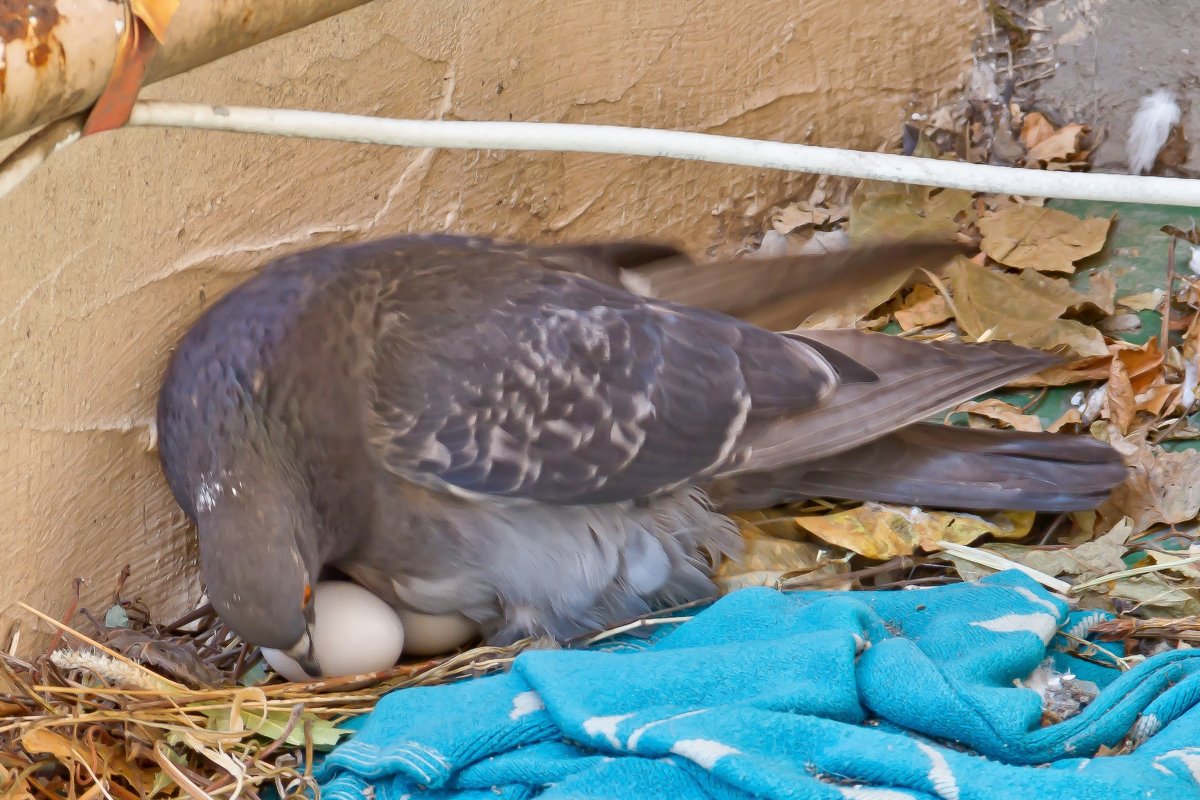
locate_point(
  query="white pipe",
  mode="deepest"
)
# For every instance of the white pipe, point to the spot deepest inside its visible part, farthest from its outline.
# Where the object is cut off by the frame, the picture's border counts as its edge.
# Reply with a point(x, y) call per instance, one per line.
point(565, 137)
point(20, 163)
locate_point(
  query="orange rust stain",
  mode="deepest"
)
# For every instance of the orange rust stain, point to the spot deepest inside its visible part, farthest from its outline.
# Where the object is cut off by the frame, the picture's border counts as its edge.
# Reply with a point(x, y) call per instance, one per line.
point(38, 55)
point(32, 23)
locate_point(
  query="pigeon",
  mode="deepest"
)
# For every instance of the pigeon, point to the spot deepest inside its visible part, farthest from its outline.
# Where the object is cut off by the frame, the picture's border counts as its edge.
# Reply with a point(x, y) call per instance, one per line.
point(550, 439)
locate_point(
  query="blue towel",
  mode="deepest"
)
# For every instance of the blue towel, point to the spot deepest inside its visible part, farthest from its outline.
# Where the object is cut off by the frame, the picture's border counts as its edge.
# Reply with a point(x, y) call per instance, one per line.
point(864, 695)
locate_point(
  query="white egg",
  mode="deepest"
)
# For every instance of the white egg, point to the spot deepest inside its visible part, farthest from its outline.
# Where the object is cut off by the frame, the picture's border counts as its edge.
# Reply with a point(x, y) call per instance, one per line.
point(353, 632)
point(432, 634)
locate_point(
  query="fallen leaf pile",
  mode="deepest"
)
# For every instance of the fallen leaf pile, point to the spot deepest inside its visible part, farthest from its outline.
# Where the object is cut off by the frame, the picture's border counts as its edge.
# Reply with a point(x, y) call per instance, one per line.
point(1033, 280)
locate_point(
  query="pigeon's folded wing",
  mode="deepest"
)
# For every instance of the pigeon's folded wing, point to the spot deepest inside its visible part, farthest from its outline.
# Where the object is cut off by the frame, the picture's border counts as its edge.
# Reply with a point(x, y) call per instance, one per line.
point(509, 380)
point(544, 385)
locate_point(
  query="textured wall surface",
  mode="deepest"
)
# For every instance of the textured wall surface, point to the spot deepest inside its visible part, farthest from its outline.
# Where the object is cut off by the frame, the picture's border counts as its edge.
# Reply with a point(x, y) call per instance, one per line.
point(113, 248)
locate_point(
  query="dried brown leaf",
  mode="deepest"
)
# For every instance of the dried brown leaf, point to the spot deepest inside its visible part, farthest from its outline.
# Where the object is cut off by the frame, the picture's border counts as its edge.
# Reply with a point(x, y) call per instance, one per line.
point(888, 211)
point(1093, 368)
point(1069, 417)
point(1101, 294)
point(1044, 239)
point(1145, 301)
point(798, 216)
point(1086, 560)
point(43, 740)
point(1035, 129)
point(1191, 340)
point(922, 307)
point(1024, 309)
point(99, 757)
point(880, 531)
point(1062, 145)
point(1008, 415)
point(1089, 559)
point(765, 560)
point(1119, 405)
point(1142, 363)
point(1163, 487)
point(1152, 593)
point(1157, 400)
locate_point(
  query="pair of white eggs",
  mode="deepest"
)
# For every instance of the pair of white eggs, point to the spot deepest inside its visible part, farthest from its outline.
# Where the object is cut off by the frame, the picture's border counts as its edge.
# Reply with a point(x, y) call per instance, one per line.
point(356, 632)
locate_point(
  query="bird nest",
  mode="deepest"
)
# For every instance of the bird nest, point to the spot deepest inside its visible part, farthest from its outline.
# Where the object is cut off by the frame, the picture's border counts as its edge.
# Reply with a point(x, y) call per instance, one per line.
point(124, 708)
point(185, 709)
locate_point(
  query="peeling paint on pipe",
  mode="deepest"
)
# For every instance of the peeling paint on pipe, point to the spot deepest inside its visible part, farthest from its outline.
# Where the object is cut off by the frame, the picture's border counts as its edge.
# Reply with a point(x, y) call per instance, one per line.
point(55, 57)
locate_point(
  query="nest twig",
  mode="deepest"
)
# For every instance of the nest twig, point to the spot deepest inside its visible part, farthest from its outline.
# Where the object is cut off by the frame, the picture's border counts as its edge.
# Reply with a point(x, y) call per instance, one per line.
point(158, 711)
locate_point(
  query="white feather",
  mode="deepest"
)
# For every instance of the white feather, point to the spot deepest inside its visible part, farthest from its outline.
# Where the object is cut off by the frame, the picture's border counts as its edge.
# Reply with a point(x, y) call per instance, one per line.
point(1156, 115)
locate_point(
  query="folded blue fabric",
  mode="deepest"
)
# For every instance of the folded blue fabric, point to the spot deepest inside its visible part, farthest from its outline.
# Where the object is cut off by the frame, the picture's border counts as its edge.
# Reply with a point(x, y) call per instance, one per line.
point(867, 695)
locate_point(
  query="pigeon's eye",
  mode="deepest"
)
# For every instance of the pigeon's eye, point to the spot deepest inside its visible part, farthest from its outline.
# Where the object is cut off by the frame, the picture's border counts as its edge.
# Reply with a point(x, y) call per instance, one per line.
point(307, 596)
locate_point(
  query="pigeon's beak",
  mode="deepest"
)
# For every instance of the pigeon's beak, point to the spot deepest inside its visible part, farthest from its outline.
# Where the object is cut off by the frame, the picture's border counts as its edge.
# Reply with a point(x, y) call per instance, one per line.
point(303, 654)
point(310, 666)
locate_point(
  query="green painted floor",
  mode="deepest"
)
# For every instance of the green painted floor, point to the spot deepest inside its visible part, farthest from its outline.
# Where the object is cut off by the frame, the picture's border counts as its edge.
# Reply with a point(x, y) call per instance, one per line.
point(1136, 254)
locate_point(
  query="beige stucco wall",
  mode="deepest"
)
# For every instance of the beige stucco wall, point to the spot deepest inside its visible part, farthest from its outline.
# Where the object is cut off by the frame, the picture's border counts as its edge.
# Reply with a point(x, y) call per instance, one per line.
point(119, 242)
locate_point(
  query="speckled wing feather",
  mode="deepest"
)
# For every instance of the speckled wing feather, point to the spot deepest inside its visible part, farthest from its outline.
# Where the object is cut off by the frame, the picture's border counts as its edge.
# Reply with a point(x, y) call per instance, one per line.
point(496, 377)
point(916, 380)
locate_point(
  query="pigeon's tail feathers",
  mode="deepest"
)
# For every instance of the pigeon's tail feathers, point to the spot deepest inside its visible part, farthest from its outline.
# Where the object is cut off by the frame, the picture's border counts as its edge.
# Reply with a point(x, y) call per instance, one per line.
point(913, 381)
point(945, 466)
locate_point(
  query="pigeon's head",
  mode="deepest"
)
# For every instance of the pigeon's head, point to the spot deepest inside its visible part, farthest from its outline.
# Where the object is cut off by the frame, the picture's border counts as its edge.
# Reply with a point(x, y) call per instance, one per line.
point(260, 562)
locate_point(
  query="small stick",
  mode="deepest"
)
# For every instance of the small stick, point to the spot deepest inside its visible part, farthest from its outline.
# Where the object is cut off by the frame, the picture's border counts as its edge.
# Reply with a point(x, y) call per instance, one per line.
point(11, 674)
point(308, 749)
point(126, 571)
point(1129, 573)
point(76, 587)
point(1038, 398)
point(1039, 77)
point(1184, 629)
point(181, 779)
point(641, 623)
point(1052, 527)
point(900, 562)
point(1163, 341)
point(190, 617)
point(928, 580)
point(244, 663)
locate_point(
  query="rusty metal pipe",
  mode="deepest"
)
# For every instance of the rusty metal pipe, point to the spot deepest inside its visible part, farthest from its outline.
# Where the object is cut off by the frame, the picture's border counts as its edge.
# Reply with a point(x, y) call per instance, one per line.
point(55, 57)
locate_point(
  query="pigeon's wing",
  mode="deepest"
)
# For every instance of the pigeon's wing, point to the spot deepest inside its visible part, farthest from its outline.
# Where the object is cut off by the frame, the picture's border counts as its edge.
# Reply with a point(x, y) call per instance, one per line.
point(609, 262)
point(742, 287)
point(801, 284)
point(914, 381)
point(494, 378)
point(495, 375)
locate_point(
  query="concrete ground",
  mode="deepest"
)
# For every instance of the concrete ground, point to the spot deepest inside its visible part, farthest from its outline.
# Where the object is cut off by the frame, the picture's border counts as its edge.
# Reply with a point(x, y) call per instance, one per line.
point(1110, 54)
